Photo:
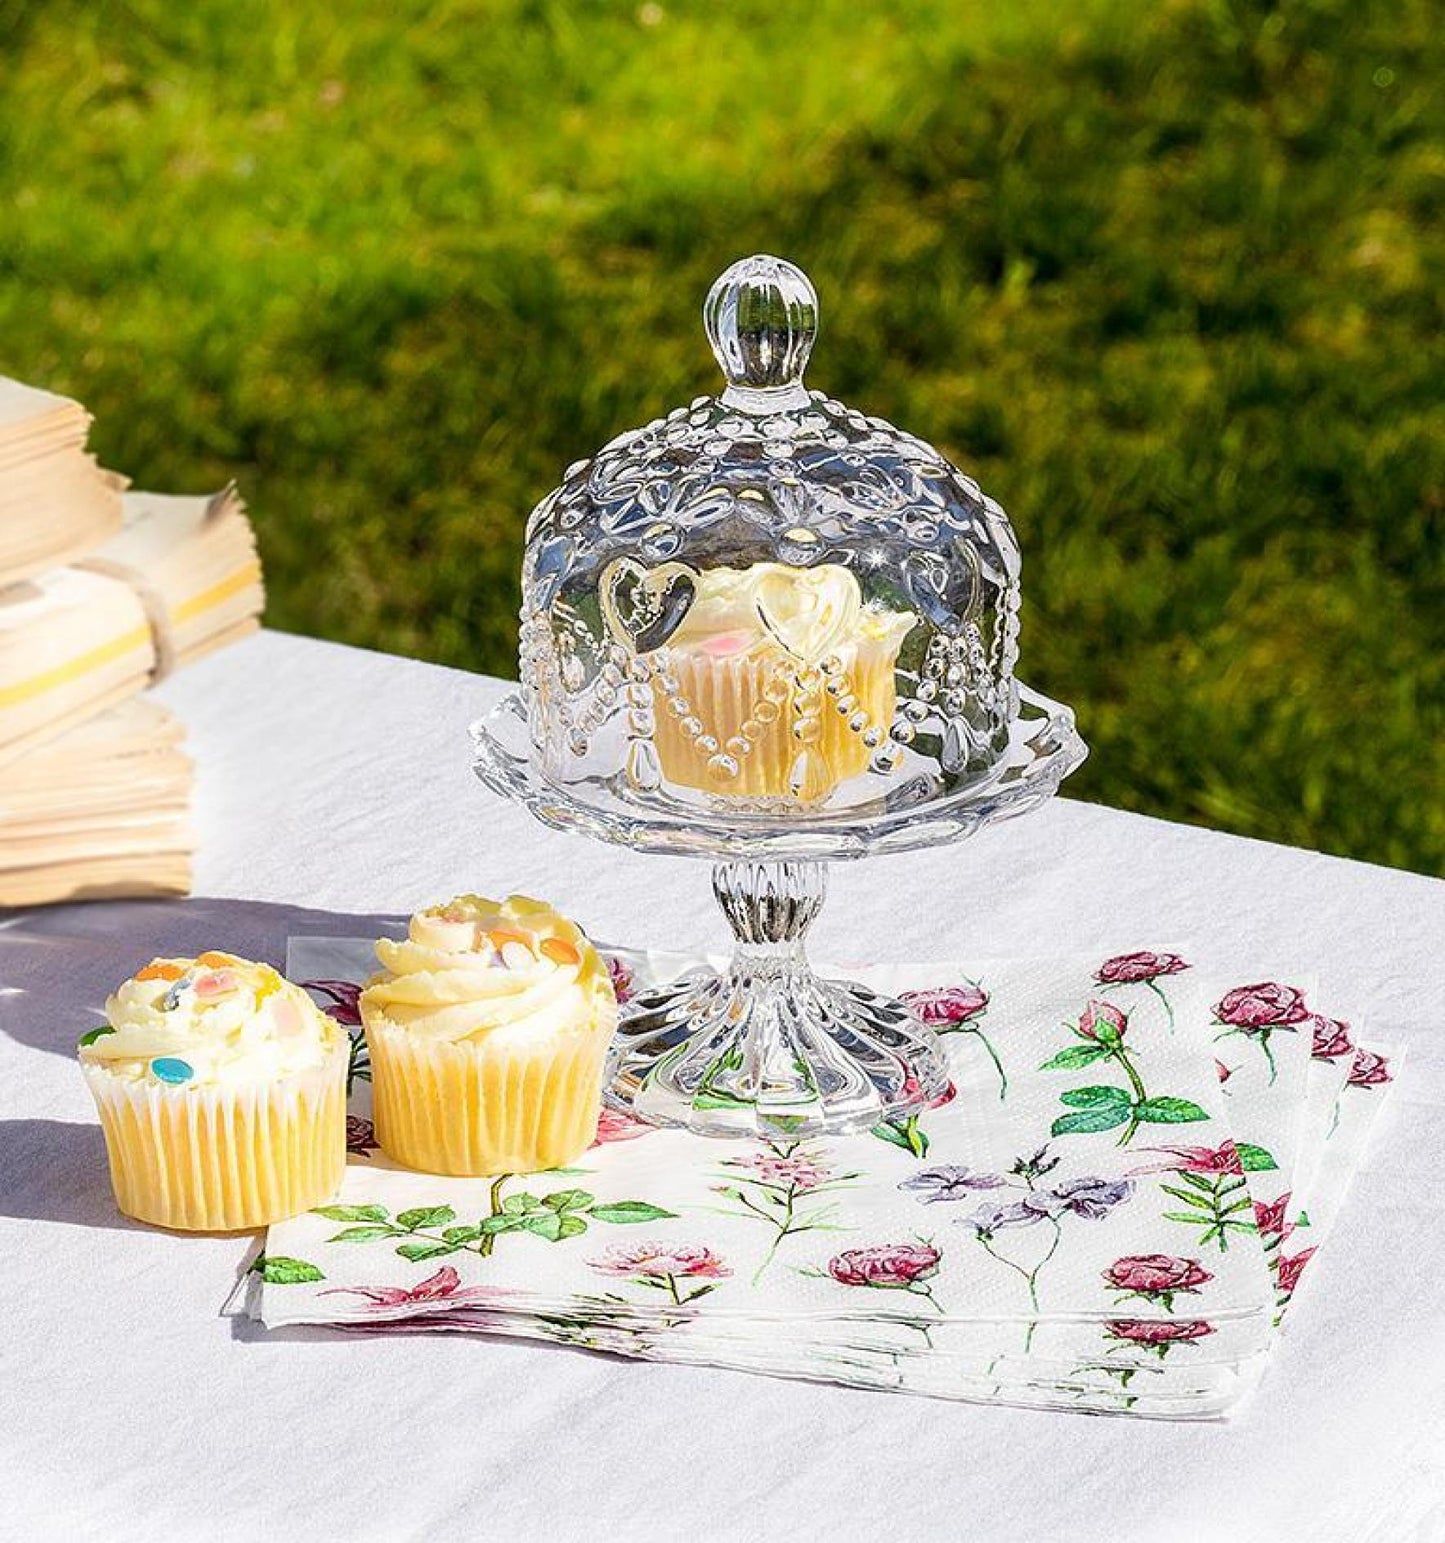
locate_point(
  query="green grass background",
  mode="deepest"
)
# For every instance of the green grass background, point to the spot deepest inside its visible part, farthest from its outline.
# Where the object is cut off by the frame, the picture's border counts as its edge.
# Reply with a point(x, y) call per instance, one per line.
point(1166, 277)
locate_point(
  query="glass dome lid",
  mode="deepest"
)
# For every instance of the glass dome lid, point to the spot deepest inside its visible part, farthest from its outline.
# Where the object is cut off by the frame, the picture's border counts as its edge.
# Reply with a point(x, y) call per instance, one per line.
point(768, 602)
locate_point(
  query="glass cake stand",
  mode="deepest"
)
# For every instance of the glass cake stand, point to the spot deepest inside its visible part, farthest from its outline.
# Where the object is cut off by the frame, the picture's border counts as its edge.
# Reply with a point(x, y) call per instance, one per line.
point(765, 1047)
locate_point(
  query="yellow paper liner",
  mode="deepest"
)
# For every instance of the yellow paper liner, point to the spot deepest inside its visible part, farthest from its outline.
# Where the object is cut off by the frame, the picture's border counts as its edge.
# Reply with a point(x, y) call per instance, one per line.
point(724, 693)
point(224, 1157)
point(486, 1106)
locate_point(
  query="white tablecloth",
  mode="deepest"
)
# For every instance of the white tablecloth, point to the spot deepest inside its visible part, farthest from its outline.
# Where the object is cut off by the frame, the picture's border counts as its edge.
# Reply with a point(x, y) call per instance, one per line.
point(333, 780)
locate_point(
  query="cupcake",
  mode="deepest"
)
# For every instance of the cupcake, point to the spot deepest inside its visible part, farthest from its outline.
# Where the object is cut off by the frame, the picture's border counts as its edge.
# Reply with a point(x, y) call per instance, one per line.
point(778, 682)
point(222, 1093)
point(488, 1028)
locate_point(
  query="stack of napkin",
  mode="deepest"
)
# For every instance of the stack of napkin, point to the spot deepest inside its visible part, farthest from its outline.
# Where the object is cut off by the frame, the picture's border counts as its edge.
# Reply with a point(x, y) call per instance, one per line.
point(55, 501)
point(94, 787)
point(1110, 1211)
point(100, 811)
point(179, 579)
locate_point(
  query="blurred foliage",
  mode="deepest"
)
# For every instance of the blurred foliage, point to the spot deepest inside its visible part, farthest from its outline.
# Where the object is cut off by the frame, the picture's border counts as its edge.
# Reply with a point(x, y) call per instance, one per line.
point(1166, 277)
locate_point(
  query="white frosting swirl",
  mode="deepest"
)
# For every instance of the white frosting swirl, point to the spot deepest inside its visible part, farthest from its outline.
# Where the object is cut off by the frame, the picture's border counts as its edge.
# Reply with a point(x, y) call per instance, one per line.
point(807, 611)
point(476, 967)
point(215, 1018)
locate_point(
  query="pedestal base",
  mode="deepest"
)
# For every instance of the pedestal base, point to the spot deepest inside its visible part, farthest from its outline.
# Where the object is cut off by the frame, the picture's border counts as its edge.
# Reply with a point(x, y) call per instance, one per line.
point(766, 1049)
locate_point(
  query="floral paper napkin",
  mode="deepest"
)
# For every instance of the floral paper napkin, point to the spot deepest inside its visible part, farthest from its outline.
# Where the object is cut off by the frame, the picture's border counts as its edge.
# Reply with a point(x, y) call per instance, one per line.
point(1103, 1212)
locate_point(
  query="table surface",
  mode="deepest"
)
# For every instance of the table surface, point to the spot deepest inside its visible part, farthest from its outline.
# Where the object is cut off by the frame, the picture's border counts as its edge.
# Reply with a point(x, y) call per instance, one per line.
point(337, 781)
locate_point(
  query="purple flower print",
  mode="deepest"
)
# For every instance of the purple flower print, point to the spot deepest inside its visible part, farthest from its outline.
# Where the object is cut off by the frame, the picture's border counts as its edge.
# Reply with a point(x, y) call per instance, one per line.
point(1021, 1200)
point(950, 1181)
point(1093, 1199)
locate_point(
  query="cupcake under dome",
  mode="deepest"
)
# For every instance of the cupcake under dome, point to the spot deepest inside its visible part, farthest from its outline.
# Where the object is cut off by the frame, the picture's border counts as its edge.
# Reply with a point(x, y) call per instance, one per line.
point(863, 591)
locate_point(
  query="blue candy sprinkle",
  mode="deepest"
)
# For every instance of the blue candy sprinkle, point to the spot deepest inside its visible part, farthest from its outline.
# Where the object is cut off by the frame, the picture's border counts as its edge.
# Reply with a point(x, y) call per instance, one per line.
point(170, 1068)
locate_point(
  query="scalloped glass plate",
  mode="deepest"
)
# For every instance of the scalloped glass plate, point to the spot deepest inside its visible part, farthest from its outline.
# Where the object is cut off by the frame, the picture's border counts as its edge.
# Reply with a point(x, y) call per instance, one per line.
point(1043, 748)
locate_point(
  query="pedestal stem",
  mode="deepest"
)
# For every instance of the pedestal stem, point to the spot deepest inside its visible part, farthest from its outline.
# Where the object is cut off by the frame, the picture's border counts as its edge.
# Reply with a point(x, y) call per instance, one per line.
point(765, 1048)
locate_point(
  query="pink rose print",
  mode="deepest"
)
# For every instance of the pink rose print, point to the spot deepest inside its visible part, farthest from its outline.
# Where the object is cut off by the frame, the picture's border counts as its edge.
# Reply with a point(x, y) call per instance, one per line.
point(957, 1009)
point(691, 1260)
point(360, 1136)
point(1156, 1275)
point(1292, 1268)
point(908, 1133)
point(1370, 1070)
point(445, 1286)
point(1103, 1023)
point(1157, 1337)
point(662, 1265)
point(1264, 1005)
point(1136, 969)
point(1260, 1010)
point(784, 1186)
point(624, 981)
point(799, 1172)
point(1223, 1072)
point(944, 1007)
point(1144, 968)
point(614, 1125)
point(1221, 1159)
point(1331, 1038)
point(1272, 1219)
point(893, 1267)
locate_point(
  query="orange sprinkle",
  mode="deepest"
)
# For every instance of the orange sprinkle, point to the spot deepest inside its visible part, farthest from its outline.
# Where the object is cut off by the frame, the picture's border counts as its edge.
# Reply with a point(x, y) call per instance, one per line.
point(213, 960)
point(160, 969)
point(560, 951)
point(500, 935)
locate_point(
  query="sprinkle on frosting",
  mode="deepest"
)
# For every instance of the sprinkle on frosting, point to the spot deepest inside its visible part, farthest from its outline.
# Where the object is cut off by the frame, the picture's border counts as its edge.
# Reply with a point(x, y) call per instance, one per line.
point(476, 967)
point(215, 1018)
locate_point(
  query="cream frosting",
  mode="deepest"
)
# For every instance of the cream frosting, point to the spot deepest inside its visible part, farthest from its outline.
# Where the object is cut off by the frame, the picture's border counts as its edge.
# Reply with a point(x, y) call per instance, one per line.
point(475, 968)
point(809, 612)
point(213, 1019)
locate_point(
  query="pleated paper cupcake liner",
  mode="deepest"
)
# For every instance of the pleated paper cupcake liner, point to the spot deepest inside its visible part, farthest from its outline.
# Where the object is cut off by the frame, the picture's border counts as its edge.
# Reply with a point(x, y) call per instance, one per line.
point(486, 1107)
point(224, 1157)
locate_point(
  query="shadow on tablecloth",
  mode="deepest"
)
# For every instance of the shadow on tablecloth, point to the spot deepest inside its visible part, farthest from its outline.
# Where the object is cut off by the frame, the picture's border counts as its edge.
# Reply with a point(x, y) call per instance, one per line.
point(58, 965)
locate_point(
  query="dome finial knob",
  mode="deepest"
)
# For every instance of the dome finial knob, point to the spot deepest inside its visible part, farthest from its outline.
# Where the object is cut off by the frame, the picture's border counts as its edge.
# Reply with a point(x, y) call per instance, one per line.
point(761, 317)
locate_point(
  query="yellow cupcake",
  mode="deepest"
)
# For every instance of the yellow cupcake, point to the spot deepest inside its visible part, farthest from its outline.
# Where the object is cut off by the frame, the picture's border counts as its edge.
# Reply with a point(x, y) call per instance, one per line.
point(488, 1028)
point(221, 1089)
point(781, 682)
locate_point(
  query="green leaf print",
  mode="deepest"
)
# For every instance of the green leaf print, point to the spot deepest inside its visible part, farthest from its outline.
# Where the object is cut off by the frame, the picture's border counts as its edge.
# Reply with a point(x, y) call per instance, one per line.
point(1075, 1057)
point(1254, 1159)
point(362, 1234)
point(352, 1213)
point(277, 1270)
point(1169, 1111)
point(631, 1211)
point(426, 1216)
point(1085, 1121)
